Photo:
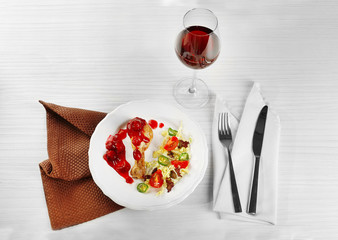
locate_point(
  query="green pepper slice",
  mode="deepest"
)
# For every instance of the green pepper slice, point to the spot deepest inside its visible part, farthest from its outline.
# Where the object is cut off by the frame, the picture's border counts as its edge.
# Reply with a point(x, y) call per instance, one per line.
point(172, 132)
point(184, 156)
point(142, 187)
point(163, 160)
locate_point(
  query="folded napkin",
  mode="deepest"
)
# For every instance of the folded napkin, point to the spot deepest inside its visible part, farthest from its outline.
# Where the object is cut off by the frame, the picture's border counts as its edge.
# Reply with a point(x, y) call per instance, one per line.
point(72, 197)
point(243, 161)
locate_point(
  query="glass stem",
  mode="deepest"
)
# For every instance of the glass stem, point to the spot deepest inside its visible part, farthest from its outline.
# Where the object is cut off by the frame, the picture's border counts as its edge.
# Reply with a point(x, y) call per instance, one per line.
point(192, 88)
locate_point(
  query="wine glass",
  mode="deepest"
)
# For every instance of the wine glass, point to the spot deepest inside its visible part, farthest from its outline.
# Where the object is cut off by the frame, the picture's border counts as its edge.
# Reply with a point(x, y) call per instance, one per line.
point(197, 46)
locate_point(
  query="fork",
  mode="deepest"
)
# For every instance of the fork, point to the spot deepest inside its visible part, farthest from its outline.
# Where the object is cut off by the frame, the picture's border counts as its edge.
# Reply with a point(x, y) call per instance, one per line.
point(225, 137)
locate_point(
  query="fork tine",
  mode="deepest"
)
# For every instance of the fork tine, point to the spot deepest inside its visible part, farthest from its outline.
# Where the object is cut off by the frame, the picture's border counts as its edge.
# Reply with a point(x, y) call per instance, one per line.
point(228, 125)
point(224, 124)
point(225, 128)
point(219, 124)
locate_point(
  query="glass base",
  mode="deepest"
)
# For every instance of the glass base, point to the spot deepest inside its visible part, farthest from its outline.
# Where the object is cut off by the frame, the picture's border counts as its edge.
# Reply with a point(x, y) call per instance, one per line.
point(191, 98)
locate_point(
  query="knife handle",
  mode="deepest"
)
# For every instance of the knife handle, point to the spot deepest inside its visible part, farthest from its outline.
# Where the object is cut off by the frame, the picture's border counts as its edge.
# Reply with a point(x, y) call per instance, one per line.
point(254, 189)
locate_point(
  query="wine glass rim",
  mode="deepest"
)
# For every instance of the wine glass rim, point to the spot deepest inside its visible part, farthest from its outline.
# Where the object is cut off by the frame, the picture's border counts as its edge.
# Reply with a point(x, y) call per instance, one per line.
point(208, 10)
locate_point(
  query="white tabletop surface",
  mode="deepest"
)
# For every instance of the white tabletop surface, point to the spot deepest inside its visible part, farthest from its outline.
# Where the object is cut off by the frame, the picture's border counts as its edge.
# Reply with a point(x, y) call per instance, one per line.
point(100, 54)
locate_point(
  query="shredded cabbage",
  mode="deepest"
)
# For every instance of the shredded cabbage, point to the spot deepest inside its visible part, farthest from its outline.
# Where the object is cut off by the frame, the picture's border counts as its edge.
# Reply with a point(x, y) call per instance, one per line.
point(150, 166)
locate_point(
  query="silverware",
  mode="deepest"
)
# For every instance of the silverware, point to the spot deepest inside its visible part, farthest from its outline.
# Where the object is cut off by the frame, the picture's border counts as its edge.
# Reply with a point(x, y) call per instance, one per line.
point(225, 137)
point(257, 142)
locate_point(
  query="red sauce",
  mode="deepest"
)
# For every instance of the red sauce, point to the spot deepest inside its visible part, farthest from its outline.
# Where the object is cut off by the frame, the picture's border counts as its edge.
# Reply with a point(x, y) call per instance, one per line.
point(153, 124)
point(123, 133)
point(115, 155)
point(137, 154)
point(161, 125)
point(135, 132)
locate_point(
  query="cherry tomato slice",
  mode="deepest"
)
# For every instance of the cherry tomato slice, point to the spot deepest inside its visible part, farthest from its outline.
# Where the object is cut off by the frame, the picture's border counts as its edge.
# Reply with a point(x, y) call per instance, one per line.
point(156, 180)
point(180, 164)
point(171, 144)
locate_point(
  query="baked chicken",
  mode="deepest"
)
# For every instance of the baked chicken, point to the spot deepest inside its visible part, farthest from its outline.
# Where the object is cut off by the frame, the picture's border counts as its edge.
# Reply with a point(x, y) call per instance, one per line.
point(141, 135)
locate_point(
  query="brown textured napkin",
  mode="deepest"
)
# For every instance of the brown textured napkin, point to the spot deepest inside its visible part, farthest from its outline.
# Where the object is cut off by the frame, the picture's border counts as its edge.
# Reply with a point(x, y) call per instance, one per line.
point(72, 197)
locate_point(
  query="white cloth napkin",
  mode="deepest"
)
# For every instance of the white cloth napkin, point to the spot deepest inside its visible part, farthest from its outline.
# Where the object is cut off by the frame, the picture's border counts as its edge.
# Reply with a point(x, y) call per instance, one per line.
point(243, 161)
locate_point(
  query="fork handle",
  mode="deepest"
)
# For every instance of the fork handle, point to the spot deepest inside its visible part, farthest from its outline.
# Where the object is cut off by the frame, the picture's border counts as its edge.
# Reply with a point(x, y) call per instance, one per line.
point(234, 190)
point(254, 189)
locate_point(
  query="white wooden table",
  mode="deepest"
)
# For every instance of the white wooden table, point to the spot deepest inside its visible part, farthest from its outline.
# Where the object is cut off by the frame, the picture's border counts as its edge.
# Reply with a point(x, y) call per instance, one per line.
point(100, 54)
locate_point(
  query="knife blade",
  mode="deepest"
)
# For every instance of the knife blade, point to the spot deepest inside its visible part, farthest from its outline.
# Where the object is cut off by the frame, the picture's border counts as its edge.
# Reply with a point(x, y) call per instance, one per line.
point(257, 143)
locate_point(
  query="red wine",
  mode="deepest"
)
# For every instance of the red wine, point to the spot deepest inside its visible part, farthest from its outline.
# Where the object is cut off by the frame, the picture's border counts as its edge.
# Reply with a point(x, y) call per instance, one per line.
point(197, 47)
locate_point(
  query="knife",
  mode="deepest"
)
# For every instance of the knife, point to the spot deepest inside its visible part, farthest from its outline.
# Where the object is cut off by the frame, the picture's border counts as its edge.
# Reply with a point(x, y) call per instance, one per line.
point(257, 142)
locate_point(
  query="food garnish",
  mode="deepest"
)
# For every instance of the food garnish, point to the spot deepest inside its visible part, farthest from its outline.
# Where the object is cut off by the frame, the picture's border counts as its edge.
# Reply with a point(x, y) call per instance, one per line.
point(172, 132)
point(170, 163)
point(163, 160)
point(156, 179)
point(142, 187)
point(171, 144)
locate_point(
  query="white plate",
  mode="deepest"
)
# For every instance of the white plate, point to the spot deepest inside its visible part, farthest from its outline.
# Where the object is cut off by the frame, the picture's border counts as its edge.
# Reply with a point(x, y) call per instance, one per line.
point(114, 186)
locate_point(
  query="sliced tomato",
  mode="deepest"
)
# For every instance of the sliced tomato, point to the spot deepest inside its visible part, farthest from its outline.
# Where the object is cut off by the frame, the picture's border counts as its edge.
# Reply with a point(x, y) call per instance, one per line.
point(156, 180)
point(171, 144)
point(180, 164)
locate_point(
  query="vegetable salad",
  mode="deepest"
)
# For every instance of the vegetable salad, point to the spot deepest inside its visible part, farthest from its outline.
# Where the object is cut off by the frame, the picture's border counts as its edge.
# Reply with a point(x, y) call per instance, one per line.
point(170, 163)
